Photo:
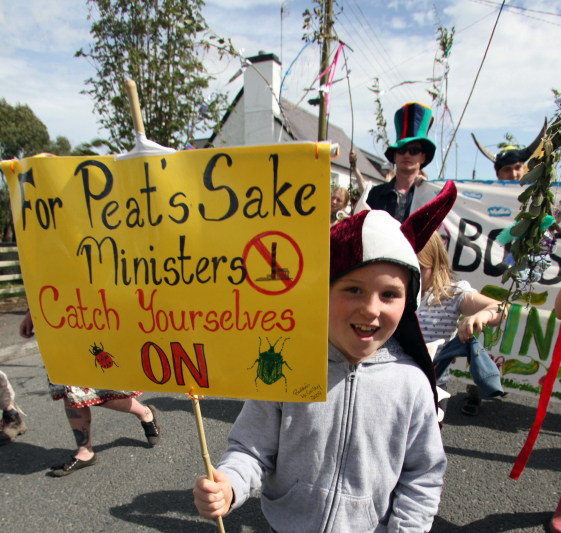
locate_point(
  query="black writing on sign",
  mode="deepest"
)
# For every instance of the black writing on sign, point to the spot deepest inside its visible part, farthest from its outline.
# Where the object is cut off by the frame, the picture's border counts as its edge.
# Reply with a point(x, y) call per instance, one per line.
point(277, 198)
point(471, 237)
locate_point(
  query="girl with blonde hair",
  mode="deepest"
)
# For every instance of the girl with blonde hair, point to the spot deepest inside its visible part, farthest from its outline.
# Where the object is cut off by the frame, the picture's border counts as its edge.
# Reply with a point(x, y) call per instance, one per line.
point(443, 301)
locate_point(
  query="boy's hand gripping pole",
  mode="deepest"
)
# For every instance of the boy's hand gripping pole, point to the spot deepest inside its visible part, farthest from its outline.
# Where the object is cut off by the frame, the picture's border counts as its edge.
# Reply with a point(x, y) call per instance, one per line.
point(204, 450)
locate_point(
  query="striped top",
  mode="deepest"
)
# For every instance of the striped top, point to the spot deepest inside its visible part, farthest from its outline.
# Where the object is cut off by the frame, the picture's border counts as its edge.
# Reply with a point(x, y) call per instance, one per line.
point(440, 321)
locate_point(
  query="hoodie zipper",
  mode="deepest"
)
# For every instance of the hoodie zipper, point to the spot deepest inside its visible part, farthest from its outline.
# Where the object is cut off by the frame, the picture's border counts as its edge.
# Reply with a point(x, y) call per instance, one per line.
point(351, 379)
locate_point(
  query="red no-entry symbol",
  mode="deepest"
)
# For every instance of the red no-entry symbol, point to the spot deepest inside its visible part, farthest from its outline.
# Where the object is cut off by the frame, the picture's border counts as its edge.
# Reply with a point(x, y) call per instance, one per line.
point(278, 273)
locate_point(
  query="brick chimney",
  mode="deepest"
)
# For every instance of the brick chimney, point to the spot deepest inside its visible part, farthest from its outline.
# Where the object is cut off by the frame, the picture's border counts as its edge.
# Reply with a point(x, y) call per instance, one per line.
point(260, 106)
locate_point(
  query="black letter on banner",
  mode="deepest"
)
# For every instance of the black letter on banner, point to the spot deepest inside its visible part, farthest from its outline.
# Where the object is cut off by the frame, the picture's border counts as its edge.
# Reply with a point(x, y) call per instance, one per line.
point(148, 191)
point(26, 177)
point(282, 190)
point(467, 241)
point(83, 247)
point(298, 200)
point(488, 267)
point(207, 180)
point(85, 178)
point(180, 204)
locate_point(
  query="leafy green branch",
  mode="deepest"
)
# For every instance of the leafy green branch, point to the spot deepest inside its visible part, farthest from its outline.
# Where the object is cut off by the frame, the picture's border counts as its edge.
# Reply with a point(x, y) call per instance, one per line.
point(445, 39)
point(510, 140)
point(535, 216)
point(381, 133)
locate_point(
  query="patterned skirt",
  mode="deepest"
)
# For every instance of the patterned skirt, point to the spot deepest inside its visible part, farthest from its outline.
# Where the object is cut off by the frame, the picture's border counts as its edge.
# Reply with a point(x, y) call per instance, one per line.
point(82, 397)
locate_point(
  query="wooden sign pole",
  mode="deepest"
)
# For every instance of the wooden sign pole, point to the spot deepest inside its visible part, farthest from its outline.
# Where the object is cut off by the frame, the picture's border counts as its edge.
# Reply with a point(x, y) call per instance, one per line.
point(204, 450)
point(132, 93)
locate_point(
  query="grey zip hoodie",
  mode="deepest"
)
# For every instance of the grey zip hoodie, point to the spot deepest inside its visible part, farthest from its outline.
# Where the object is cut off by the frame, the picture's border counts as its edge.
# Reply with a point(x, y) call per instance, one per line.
point(370, 459)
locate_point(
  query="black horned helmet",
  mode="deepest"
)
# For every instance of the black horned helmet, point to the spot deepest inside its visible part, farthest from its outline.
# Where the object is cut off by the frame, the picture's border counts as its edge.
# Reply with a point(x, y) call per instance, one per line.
point(511, 155)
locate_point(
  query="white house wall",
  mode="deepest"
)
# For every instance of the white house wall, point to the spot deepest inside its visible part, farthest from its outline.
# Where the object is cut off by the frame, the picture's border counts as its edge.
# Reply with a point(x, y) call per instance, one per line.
point(260, 104)
point(233, 130)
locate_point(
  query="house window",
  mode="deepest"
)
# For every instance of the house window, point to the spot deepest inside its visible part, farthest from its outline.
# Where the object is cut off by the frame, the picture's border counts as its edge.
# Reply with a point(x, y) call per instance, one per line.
point(335, 179)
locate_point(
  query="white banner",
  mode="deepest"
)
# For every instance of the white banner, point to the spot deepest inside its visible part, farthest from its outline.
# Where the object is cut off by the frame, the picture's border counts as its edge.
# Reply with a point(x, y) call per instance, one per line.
point(525, 346)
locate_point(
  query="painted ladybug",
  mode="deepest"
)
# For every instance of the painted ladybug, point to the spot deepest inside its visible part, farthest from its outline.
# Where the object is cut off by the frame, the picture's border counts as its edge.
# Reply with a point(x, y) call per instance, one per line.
point(105, 359)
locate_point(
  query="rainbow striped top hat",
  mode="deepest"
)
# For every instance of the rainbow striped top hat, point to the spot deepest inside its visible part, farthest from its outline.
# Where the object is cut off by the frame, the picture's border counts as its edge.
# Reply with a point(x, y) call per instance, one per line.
point(412, 123)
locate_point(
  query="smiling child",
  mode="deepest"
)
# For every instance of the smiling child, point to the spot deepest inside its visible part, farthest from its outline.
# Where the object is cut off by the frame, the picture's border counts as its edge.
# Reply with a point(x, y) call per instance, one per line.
point(370, 458)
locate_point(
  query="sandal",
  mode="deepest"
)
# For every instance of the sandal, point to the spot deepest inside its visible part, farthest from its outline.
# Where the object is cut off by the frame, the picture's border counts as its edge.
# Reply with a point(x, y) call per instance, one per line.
point(152, 428)
point(471, 406)
point(72, 466)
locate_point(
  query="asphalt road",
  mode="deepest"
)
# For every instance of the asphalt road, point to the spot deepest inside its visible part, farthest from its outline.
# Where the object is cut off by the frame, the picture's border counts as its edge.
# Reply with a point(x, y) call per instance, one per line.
point(136, 488)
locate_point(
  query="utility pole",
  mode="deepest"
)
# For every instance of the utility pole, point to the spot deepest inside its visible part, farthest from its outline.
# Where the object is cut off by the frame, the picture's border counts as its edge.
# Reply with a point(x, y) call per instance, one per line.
point(327, 23)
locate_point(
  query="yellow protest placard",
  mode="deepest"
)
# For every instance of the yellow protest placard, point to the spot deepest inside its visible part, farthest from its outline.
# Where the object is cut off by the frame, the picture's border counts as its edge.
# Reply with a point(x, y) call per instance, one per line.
point(204, 270)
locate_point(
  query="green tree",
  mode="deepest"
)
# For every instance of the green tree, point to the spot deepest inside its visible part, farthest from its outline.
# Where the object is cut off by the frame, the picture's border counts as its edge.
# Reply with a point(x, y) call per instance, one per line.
point(22, 134)
point(154, 43)
point(510, 140)
point(60, 147)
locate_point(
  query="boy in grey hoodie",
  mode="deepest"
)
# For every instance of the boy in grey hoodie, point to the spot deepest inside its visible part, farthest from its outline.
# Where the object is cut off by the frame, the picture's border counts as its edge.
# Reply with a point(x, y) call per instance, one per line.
point(371, 457)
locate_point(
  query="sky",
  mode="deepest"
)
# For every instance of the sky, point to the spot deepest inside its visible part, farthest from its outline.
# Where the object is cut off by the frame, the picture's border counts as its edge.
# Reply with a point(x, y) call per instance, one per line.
point(394, 41)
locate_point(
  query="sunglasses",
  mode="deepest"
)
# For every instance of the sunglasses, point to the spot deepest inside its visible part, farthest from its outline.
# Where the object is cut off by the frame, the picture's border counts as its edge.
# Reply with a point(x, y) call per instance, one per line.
point(413, 150)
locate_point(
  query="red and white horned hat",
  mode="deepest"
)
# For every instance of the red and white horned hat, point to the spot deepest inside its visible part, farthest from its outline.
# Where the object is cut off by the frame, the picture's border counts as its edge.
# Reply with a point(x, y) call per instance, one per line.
point(372, 236)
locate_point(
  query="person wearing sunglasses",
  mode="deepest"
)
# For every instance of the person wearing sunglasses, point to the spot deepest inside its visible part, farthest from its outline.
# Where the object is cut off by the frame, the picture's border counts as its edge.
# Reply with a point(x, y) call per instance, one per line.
point(412, 151)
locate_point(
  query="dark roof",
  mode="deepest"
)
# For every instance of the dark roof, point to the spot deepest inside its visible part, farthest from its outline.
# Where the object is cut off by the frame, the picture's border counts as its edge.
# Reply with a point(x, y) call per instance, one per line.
point(223, 120)
point(264, 57)
point(200, 143)
point(304, 126)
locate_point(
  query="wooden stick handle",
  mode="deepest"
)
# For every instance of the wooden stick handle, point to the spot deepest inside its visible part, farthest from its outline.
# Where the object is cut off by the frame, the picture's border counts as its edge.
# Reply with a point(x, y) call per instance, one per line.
point(204, 450)
point(137, 123)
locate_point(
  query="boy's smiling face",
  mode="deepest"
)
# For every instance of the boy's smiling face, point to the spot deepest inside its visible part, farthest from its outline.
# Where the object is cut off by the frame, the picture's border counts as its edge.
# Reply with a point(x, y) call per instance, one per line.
point(365, 307)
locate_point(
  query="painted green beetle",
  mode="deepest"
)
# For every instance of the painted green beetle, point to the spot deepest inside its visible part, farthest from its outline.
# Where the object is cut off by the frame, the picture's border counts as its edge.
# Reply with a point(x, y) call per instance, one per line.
point(269, 364)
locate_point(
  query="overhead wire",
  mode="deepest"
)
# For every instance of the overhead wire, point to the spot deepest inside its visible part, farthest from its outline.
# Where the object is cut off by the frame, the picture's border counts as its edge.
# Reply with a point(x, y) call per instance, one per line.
point(371, 34)
point(435, 45)
point(352, 113)
point(472, 88)
point(371, 78)
point(394, 77)
point(380, 67)
point(289, 71)
point(351, 101)
point(511, 6)
point(490, 4)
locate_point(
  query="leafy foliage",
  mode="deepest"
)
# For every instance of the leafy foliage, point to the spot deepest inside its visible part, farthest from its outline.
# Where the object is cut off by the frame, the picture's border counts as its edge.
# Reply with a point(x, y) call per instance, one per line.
point(154, 43)
point(537, 202)
point(22, 134)
point(315, 23)
point(93, 147)
point(61, 146)
point(510, 140)
point(445, 39)
point(381, 133)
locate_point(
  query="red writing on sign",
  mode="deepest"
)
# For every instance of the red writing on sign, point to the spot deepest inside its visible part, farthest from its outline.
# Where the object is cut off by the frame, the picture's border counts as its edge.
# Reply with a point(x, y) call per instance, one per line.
point(180, 358)
point(77, 315)
point(167, 320)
